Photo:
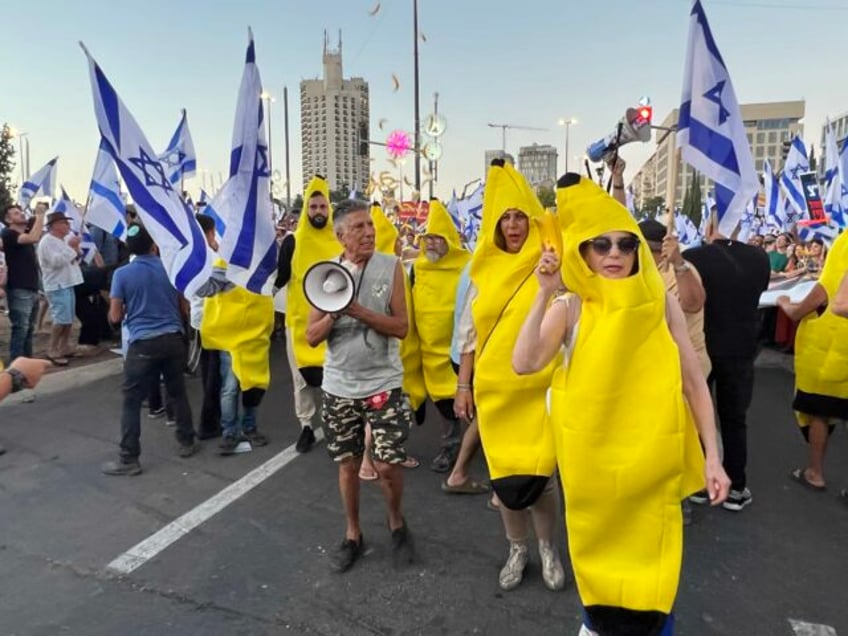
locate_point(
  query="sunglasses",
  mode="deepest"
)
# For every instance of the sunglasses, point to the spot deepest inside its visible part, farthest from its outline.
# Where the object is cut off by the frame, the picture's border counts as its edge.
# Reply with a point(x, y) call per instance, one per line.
point(603, 245)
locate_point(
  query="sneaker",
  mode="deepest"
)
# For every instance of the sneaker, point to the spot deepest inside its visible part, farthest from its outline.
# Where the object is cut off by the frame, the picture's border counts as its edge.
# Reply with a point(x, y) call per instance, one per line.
point(403, 551)
point(170, 422)
point(121, 468)
point(229, 445)
point(187, 450)
point(552, 572)
point(512, 572)
point(701, 497)
point(305, 441)
point(256, 438)
point(585, 631)
point(347, 554)
point(737, 499)
point(156, 413)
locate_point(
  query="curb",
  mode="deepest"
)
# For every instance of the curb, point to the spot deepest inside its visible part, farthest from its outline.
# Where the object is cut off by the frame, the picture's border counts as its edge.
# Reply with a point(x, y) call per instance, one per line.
point(68, 379)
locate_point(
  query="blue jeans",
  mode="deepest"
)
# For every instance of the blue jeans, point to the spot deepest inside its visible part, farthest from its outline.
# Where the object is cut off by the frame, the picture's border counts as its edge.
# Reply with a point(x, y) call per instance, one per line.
point(230, 424)
point(23, 312)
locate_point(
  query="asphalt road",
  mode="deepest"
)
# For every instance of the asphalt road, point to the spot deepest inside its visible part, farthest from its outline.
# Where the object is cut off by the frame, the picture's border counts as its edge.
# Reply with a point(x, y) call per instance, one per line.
point(260, 565)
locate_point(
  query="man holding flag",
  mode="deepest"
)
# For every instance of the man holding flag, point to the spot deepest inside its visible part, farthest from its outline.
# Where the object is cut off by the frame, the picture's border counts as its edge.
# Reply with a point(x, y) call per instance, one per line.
point(712, 139)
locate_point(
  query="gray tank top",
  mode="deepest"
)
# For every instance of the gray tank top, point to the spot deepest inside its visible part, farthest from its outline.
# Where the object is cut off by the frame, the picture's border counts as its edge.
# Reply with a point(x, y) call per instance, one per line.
point(359, 361)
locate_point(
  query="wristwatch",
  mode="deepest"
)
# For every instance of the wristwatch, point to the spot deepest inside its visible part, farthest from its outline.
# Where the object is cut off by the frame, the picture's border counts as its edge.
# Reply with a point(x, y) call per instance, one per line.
point(19, 380)
point(679, 269)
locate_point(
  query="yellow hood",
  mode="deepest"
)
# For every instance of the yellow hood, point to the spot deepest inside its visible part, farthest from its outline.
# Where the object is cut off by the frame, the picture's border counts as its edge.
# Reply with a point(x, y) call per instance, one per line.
point(385, 231)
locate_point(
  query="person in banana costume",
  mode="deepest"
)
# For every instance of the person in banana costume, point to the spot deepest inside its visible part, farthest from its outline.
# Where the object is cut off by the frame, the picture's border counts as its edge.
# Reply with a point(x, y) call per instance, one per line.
point(622, 410)
point(313, 240)
point(511, 409)
point(821, 363)
point(434, 277)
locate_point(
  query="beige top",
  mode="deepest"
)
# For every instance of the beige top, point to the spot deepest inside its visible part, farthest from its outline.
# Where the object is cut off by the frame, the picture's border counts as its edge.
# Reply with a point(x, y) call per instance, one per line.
point(694, 321)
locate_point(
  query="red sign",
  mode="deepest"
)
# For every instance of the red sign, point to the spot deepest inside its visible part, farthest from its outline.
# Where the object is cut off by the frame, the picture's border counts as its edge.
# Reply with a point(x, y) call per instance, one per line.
point(417, 210)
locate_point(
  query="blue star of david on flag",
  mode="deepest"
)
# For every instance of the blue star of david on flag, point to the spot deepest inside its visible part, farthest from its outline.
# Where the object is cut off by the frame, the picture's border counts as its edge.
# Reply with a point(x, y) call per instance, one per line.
point(179, 156)
point(262, 168)
point(158, 178)
point(796, 164)
point(714, 95)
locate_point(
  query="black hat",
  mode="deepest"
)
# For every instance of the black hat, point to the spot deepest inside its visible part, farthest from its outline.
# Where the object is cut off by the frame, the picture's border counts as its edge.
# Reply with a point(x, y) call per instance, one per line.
point(653, 230)
point(56, 216)
point(139, 241)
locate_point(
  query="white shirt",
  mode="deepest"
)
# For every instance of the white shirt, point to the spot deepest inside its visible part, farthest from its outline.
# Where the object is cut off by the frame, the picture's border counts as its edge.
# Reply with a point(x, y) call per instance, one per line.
point(58, 261)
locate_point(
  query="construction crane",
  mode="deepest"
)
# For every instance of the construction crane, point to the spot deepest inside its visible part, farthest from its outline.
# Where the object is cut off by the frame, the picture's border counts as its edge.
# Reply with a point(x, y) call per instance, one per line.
point(503, 128)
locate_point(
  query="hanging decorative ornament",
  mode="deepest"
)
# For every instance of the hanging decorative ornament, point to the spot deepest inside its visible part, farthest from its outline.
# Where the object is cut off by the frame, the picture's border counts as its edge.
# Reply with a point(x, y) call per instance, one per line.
point(398, 144)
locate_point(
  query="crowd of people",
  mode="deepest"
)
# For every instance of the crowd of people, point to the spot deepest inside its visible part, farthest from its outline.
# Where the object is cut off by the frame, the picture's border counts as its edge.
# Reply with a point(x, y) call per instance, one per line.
point(583, 353)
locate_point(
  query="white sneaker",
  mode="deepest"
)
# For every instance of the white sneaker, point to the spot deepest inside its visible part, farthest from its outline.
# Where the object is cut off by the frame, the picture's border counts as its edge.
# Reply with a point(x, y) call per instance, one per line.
point(512, 573)
point(552, 572)
point(585, 631)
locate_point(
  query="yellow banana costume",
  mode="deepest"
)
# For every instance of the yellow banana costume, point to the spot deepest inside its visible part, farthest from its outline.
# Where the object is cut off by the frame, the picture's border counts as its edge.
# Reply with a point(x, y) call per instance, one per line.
point(511, 409)
point(386, 236)
point(434, 301)
point(240, 322)
point(310, 246)
point(821, 344)
point(627, 446)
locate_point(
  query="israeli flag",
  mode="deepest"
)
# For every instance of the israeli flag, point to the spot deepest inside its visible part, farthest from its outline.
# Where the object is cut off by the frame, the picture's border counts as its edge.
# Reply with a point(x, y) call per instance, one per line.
point(171, 223)
point(42, 181)
point(843, 173)
point(66, 206)
point(775, 205)
point(833, 180)
point(796, 164)
point(826, 233)
point(106, 208)
point(249, 242)
point(709, 203)
point(453, 210)
point(179, 158)
point(711, 132)
point(630, 200)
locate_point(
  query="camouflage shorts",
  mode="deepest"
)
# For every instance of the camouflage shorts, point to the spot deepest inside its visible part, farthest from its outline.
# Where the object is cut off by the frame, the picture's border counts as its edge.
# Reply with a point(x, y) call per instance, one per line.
point(389, 415)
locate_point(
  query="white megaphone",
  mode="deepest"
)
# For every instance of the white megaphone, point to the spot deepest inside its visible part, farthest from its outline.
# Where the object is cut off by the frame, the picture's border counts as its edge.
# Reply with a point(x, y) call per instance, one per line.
point(329, 286)
point(634, 126)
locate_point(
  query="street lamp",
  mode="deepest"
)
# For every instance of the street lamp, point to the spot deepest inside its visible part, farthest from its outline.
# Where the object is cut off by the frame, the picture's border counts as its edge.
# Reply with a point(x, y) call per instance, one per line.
point(267, 96)
point(568, 123)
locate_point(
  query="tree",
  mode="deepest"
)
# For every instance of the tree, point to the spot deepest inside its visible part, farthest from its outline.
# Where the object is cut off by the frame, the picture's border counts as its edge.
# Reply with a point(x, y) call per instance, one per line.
point(7, 157)
point(692, 200)
point(547, 196)
point(812, 158)
point(651, 205)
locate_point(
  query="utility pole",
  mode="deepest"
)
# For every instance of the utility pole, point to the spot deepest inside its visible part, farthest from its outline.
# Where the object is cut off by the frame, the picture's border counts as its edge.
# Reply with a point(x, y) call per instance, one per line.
point(286, 116)
point(417, 111)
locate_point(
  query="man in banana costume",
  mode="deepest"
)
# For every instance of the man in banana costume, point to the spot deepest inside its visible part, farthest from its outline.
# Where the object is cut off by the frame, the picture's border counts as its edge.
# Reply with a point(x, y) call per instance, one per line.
point(312, 241)
point(821, 363)
point(627, 448)
point(511, 409)
point(434, 277)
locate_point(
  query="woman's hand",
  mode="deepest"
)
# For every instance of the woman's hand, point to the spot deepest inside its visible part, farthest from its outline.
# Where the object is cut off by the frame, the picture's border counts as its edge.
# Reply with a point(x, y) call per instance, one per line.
point(463, 404)
point(718, 483)
point(548, 271)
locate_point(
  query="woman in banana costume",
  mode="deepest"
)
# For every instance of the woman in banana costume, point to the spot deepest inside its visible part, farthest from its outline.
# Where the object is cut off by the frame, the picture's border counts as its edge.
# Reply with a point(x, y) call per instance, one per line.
point(821, 363)
point(627, 448)
point(511, 409)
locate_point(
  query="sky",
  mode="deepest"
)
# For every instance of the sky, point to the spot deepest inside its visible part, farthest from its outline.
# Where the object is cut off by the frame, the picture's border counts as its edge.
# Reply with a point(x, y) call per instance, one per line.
point(526, 63)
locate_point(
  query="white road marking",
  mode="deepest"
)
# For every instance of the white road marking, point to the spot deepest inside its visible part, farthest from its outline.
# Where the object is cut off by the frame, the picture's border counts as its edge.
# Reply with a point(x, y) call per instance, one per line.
point(142, 552)
point(811, 629)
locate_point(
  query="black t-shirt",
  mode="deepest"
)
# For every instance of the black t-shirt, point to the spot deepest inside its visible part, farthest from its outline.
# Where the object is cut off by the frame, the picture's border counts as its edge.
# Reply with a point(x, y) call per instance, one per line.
point(21, 262)
point(284, 261)
point(734, 276)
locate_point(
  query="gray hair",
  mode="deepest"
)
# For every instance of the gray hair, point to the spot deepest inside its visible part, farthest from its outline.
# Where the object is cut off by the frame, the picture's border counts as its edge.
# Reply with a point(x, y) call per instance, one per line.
point(345, 208)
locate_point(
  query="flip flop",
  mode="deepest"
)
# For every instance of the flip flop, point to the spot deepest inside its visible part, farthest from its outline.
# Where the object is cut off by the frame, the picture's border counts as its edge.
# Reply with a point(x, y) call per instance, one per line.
point(365, 476)
point(798, 475)
point(468, 487)
point(410, 462)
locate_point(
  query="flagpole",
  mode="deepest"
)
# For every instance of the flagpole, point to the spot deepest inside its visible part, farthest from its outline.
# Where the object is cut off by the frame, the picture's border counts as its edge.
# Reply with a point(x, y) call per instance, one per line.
point(286, 120)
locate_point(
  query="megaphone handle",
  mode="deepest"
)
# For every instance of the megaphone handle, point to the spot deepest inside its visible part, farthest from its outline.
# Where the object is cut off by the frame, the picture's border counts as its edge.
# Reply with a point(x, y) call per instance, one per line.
point(618, 131)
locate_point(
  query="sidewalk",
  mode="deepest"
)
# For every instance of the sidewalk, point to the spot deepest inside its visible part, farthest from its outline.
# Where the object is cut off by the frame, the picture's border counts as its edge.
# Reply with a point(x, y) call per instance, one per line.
point(80, 371)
